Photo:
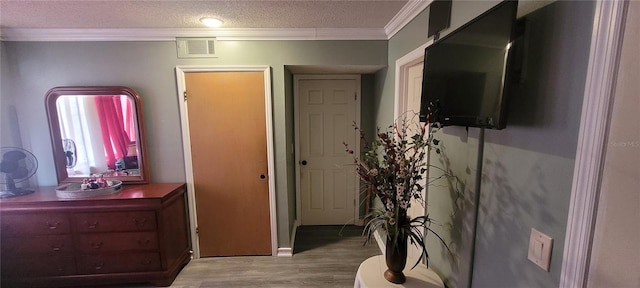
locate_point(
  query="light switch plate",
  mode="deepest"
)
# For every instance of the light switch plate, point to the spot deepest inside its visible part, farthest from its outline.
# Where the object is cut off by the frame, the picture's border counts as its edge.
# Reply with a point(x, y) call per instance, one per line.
point(540, 249)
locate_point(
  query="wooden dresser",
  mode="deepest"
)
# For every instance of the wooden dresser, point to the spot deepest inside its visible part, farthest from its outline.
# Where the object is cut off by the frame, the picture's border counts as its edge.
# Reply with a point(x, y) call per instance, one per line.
point(138, 235)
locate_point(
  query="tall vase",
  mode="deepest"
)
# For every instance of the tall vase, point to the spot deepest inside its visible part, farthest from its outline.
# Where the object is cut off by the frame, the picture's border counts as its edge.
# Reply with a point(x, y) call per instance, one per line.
point(396, 258)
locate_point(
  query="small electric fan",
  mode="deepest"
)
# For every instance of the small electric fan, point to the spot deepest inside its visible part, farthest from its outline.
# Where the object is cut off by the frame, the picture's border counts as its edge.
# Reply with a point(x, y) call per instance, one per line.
point(17, 166)
point(69, 147)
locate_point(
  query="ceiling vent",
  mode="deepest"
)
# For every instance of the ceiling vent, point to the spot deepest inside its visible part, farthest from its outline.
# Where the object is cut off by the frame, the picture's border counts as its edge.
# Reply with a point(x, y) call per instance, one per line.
point(196, 47)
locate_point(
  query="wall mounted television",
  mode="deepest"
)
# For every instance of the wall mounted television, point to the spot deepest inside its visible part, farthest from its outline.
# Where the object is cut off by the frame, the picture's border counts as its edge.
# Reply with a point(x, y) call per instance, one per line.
point(466, 74)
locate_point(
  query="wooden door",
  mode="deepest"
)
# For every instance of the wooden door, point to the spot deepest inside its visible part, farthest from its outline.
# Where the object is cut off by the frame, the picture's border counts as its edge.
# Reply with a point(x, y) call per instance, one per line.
point(226, 115)
point(327, 112)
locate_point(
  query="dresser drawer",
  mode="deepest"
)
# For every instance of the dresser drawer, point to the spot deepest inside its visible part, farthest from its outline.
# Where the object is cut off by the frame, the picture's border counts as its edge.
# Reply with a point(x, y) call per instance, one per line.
point(139, 235)
point(38, 265)
point(35, 224)
point(118, 262)
point(55, 244)
point(115, 221)
point(122, 241)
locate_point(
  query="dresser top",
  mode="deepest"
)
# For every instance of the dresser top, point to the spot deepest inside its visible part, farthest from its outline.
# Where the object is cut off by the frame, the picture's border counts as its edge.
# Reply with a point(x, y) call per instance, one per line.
point(144, 191)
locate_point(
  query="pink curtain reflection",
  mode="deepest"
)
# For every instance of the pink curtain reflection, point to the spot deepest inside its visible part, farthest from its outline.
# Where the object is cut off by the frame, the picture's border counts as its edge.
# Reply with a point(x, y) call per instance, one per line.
point(112, 122)
point(129, 125)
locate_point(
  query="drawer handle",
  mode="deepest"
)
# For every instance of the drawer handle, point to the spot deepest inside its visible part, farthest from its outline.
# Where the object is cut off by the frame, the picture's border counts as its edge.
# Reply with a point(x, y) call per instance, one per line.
point(53, 226)
point(141, 222)
point(98, 266)
point(95, 245)
point(92, 225)
point(55, 247)
point(144, 243)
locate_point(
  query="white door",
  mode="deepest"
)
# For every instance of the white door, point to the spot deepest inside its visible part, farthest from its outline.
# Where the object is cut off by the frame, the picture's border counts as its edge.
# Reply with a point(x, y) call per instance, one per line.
point(326, 175)
point(414, 90)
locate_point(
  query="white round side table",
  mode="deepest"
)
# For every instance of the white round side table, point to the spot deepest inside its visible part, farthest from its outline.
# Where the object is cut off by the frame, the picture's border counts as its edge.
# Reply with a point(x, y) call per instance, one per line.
point(370, 275)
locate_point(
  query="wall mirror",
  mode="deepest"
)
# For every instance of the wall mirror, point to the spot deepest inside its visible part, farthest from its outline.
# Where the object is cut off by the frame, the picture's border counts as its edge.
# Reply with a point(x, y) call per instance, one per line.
point(97, 131)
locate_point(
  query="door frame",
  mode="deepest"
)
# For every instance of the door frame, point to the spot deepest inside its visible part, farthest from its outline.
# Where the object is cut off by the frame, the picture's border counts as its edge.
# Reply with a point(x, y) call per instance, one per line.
point(296, 111)
point(606, 43)
point(400, 102)
point(402, 72)
point(186, 143)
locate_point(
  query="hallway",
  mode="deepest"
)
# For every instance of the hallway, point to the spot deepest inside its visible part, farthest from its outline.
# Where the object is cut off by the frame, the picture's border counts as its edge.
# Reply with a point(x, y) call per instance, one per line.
point(324, 256)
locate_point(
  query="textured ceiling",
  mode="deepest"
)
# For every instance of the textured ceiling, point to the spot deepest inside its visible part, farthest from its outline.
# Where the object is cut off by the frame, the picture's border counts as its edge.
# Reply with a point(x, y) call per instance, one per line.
point(165, 20)
point(153, 14)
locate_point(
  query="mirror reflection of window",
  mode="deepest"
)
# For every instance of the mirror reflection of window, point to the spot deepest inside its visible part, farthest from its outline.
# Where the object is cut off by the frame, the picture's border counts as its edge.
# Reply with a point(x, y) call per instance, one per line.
point(104, 131)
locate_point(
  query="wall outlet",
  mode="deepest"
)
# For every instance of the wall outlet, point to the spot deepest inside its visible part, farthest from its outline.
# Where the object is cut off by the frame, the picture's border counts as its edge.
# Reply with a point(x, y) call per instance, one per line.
point(540, 249)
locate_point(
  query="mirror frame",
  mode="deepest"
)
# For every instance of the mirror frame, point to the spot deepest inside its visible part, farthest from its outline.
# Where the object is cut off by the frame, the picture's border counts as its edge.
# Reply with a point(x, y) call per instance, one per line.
point(56, 138)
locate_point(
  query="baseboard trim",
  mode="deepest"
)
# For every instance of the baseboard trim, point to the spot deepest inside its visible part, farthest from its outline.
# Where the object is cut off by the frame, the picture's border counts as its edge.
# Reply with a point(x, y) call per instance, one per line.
point(288, 251)
point(292, 242)
point(285, 252)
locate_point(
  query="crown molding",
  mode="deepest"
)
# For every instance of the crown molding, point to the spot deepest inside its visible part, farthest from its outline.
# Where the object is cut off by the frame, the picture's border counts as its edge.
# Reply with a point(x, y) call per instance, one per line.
point(9, 34)
point(351, 34)
point(409, 11)
point(405, 15)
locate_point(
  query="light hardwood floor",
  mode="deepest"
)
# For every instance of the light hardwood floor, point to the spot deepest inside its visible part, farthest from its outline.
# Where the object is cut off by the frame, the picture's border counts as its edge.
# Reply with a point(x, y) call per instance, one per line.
point(324, 256)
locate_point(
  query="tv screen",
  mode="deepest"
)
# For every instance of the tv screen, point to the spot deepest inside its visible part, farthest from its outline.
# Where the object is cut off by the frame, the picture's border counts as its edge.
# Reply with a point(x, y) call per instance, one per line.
point(465, 77)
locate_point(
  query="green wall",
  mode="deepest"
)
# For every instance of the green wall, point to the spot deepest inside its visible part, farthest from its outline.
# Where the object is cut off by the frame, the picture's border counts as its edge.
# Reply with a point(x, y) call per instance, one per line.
point(526, 174)
point(526, 169)
point(450, 199)
point(30, 69)
point(290, 158)
point(7, 139)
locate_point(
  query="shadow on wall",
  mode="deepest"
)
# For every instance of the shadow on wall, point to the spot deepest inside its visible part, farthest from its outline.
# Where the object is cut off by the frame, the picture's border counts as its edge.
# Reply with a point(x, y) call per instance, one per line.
point(511, 203)
point(528, 167)
point(449, 190)
point(455, 188)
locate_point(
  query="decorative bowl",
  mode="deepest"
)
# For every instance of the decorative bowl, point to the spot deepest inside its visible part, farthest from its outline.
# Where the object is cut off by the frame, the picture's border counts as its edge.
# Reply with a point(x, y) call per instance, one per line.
point(73, 190)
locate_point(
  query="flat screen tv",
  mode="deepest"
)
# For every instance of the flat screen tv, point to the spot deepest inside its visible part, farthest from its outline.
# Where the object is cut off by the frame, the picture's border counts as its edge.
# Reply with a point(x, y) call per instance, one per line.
point(466, 73)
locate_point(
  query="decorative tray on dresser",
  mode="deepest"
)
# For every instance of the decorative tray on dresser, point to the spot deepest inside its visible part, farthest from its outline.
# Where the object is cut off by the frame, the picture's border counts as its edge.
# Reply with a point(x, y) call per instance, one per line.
point(138, 235)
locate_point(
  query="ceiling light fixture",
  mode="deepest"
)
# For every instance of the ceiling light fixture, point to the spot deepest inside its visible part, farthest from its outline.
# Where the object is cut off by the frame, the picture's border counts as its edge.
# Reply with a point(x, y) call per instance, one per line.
point(211, 22)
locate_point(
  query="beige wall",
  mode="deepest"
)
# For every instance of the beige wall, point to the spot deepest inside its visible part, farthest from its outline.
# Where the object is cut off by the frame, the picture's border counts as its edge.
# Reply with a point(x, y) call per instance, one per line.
point(615, 258)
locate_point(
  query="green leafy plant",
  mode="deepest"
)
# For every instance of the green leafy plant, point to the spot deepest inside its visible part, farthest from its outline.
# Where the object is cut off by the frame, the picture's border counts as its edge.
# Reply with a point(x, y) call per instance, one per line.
point(394, 167)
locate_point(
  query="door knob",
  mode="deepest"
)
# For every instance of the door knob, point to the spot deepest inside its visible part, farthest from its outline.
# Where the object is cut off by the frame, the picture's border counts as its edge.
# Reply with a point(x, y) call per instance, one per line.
point(303, 162)
point(262, 176)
